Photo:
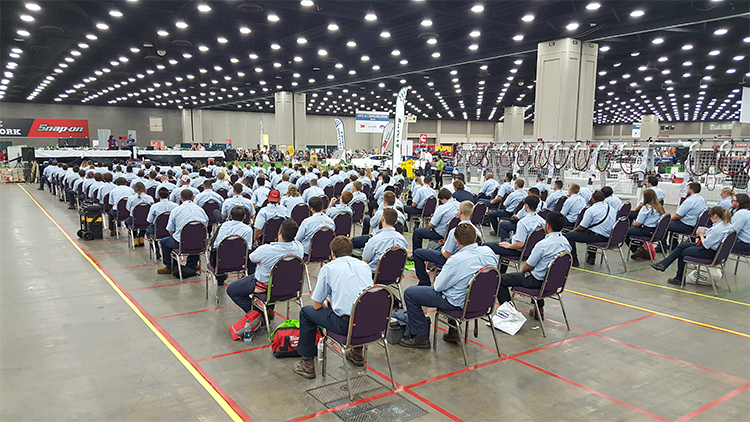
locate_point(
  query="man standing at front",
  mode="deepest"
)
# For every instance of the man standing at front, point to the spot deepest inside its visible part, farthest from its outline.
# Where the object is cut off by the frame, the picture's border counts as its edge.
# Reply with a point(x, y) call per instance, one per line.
point(339, 284)
point(449, 290)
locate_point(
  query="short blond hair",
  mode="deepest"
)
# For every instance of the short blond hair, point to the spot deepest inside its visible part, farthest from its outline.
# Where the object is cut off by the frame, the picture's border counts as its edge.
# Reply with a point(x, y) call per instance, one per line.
point(575, 187)
point(466, 208)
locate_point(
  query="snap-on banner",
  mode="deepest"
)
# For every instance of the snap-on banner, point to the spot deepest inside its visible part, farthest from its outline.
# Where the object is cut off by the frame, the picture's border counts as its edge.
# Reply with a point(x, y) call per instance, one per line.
point(44, 128)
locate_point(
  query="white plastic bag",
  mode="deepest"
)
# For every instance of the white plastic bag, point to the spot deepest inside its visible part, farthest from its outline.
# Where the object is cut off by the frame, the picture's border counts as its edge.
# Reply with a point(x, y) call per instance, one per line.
point(702, 278)
point(508, 319)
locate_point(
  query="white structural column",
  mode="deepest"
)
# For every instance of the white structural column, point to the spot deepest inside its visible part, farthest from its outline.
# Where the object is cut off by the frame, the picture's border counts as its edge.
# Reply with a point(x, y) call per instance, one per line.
point(513, 124)
point(565, 86)
point(649, 126)
point(300, 121)
point(284, 112)
point(192, 126)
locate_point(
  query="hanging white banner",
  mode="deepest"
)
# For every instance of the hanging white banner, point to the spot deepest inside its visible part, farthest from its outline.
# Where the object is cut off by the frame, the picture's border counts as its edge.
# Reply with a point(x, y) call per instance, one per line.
point(340, 132)
point(387, 137)
point(370, 121)
point(400, 120)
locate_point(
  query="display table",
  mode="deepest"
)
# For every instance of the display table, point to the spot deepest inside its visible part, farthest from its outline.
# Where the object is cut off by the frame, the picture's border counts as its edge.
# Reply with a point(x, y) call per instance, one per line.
point(177, 157)
point(75, 156)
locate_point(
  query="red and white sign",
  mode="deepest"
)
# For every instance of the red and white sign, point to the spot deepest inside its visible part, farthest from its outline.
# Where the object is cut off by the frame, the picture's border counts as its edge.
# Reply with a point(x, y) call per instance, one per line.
point(423, 138)
point(58, 128)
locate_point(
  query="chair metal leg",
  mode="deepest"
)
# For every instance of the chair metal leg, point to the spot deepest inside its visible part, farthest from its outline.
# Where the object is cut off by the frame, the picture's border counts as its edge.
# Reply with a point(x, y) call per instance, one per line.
point(307, 274)
point(207, 275)
point(565, 316)
point(494, 336)
point(434, 331)
point(463, 348)
point(541, 320)
point(346, 373)
point(325, 357)
point(388, 361)
point(179, 267)
point(724, 276)
point(713, 283)
point(622, 258)
point(684, 273)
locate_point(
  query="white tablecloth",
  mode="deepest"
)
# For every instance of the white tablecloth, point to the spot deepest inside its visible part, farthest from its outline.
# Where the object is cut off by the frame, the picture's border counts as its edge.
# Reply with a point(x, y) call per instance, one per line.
point(72, 153)
point(202, 154)
point(146, 152)
point(106, 153)
point(57, 153)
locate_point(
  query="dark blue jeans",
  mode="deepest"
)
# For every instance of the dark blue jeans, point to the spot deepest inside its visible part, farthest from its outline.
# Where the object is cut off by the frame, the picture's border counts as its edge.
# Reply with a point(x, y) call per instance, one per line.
point(641, 231)
point(359, 242)
point(415, 298)
point(686, 249)
point(678, 227)
point(366, 226)
point(504, 229)
point(167, 245)
point(409, 210)
point(495, 246)
point(741, 246)
point(582, 237)
point(240, 290)
point(494, 218)
point(517, 279)
point(423, 233)
point(421, 256)
point(310, 320)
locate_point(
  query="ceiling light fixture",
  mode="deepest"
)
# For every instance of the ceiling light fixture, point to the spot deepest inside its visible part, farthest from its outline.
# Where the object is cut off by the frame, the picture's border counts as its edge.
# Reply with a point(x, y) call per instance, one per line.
point(181, 24)
point(275, 46)
point(528, 18)
point(477, 8)
point(385, 34)
point(306, 3)
point(426, 22)
point(27, 18)
point(518, 37)
point(33, 6)
point(273, 17)
point(351, 43)
point(371, 16)
point(245, 30)
point(162, 33)
point(301, 40)
point(593, 6)
point(222, 40)
point(657, 40)
point(720, 31)
point(637, 13)
point(322, 52)
point(572, 26)
point(115, 13)
point(204, 8)
point(333, 27)
point(431, 41)
point(102, 26)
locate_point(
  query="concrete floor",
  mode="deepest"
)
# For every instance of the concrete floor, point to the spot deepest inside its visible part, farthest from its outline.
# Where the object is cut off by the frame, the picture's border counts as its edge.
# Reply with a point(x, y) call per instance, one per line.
point(73, 347)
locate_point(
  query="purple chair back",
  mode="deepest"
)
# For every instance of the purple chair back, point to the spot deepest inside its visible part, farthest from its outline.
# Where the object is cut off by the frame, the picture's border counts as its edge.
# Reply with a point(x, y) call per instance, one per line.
point(370, 317)
point(160, 225)
point(560, 202)
point(725, 248)
point(391, 266)
point(343, 224)
point(557, 275)
point(358, 208)
point(192, 238)
point(209, 207)
point(107, 206)
point(233, 178)
point(152, 192)
point(250, 180)
point(451, 225)
point(338, 187)
point(619, 233)
point(429, 207)
point(325, 200)
point(703, 221)
point(231, 255)
point(122, 212)
point(95, 195)
point(532, 239)
point(300, 212)
point(660, 234)
point(366, 189)
point(320, 245)
point(544, 195)
point(223, 193)
point(287, 276)
point(480, 208)
point(494, 192)
point(303, 187)
point(399, 227)
point(624, 210)
point(580, 215)
point(518, 208)
point(480, 296)
point(140, 213)
point(271, 230)
point(329, 191)
point(247, 195)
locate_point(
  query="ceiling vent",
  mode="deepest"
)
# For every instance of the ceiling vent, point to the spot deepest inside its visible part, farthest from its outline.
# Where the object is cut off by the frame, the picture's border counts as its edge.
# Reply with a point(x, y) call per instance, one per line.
point(250, 8)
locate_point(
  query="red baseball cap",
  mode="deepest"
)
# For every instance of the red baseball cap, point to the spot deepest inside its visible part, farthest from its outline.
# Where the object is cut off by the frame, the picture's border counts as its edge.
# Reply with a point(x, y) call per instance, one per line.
point(273, 196)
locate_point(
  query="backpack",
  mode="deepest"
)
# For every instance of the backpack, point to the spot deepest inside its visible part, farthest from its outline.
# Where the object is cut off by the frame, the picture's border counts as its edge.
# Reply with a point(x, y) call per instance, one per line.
point(285, 338)
point(250, 322)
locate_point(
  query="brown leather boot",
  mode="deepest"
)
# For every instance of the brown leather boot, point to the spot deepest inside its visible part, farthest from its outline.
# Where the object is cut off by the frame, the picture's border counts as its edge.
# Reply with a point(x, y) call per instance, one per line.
point(305, 367)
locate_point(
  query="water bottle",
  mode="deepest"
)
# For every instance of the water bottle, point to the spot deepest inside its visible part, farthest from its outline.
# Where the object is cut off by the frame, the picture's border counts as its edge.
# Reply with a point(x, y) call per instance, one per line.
point(321, 346)
point(247, 335)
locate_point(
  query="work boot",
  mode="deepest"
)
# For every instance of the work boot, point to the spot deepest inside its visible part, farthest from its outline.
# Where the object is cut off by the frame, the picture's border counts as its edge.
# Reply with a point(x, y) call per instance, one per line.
point(305, 367)
point(355, 356)
point(532, 314)
point(421, 341)
point(113, 233)
point(452, 336)
point(71, 207)
point(164, 270)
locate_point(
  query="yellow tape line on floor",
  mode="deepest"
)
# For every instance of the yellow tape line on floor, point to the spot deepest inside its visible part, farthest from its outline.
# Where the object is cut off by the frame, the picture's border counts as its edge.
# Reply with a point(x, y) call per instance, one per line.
point(664, 287)
point(193, 371)
point(657, 313)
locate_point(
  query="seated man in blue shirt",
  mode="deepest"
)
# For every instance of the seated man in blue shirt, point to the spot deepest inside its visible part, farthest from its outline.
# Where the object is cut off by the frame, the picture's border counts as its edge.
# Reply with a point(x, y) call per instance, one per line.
point(488, 187)
point(449, 290)
point(313, 190)
point(554, 196)
point(686, 217)
point(507, 226)
point(233, 201)
point(179, 218)
point(460, 193)
point(339, 284)
point(389, 201)
point(419, 199)
point(450, 247)
point(313, 223)
point(513, 246)
point(163, 205)
point(336, 207)
point(535, 269)
point(386, 238)
point(260, 264)
point(273, 209)
point(596, 226)
point(231, 227)
point(573, 205)
point(509, 205)
point(540, 184)
point(438, 225)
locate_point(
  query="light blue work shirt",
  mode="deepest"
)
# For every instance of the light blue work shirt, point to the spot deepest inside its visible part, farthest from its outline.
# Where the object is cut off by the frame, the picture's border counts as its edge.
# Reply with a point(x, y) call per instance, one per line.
point(572, 207)
point(170, 186)
point(197, 182)
point(136, 180)
point(359, 196)
point(337, 209)
point(527, 225)
point(184, 214)
point(603, 216)
point(119, 192)
point(379, 192)
point(648, 217)
point(220, 184)
point(552, 199)
point(342, 279)
point(713, 236)
point(266, 256)
point(348, 187)
point(104, 190)
point(134, 200)
point(398, 178)
point(514, 199)
point(503, 189)
point(159, 208)
point(545, 251)
point(231, 227)
point(489, 186)
point(443, 215)
point(398, 204)
point(336, 178)
point(741, 223)
point(310, 192)
point(586, 194)
point(207, 195)
point(659, 194)
point(268, 212)
point(260, 195)
point(290, 201)
point(375, 220)
point(613, 202)
point(458, 270)
point(175, 195)
point(149, 183)
point(691, 209)
point(541, 186)
point(323, 182)
point(226, 207)
point(522, 212)
point(726, 203)
point(302, 180)
point(276, 178)
point(422, 194)
point(365, 181)
point(450, 245)
point(283, 187)
point(377, 245)
point(309, 226)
